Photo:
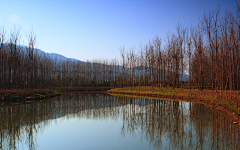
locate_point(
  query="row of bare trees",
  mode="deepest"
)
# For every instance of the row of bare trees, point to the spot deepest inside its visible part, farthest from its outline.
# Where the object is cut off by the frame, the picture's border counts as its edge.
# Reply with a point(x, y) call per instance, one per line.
point(209, 53)
point(28, 68)
point(216, 42)
point(154, 64)
point(24, 67)
point(17, 64)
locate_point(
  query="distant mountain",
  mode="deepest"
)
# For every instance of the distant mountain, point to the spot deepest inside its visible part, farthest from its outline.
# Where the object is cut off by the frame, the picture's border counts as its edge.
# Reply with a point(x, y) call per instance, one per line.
point(185, 77)
point(41, 52)
point(57, 56)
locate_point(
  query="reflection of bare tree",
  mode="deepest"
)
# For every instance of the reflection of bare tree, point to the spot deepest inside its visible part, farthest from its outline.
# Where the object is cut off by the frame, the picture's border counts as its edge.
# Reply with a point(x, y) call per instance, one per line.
point(184, 125)
point(215, 128)
point(180, 125)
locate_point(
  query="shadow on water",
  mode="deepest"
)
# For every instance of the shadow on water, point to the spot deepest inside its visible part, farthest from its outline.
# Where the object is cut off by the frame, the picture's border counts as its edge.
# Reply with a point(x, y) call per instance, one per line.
point(164, 124)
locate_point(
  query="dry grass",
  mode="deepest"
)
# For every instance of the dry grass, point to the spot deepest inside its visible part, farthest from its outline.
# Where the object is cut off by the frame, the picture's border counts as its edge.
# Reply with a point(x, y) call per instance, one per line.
point(224, 99)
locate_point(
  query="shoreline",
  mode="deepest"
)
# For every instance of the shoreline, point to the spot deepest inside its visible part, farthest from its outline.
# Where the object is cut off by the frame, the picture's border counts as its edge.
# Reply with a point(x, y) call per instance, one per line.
point(21, 97)
point(128, 92)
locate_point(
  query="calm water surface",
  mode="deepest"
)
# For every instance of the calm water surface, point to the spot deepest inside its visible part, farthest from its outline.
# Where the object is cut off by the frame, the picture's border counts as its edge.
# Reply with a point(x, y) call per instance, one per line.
point(100, 121)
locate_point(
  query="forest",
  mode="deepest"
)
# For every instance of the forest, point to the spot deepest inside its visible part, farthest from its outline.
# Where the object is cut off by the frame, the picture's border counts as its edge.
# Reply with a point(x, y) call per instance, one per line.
point(208, 52)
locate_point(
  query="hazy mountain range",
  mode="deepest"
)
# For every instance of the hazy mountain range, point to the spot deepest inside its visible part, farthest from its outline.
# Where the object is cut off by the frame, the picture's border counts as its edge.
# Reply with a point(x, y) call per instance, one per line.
point(59, 57)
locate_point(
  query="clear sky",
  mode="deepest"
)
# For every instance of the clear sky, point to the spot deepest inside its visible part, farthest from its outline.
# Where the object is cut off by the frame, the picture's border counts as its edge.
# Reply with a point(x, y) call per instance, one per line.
point(96, 29)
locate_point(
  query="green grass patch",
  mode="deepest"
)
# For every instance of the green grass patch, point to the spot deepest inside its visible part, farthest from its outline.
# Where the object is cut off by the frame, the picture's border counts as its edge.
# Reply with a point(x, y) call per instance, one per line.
point(25, 99)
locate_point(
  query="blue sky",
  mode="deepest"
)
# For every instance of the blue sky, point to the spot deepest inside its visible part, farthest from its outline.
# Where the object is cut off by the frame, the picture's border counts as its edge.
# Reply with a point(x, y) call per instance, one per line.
point(96, 29)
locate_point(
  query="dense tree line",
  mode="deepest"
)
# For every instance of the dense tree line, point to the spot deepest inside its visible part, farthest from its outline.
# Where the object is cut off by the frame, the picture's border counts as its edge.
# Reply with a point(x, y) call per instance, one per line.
point(209, 53)
point(24, 67)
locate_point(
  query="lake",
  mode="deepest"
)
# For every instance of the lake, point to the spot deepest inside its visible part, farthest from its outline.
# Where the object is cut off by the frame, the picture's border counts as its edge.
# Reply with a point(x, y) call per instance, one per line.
point(100, 121)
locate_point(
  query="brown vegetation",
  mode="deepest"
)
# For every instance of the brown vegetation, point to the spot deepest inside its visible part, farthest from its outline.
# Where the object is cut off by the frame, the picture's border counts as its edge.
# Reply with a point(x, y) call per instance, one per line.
point(208, 97)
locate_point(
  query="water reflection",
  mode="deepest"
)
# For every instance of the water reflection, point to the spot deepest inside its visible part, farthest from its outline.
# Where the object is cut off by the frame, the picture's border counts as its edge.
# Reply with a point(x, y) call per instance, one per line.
point(164, 124)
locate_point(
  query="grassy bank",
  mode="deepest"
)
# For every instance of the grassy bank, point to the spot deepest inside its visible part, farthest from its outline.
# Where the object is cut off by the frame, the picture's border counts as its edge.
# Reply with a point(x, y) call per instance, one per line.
point(16, 97)
point(222, 100)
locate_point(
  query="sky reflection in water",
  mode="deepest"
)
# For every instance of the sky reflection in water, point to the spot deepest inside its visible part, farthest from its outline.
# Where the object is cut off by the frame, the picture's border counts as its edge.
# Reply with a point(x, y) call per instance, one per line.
point(100, 121)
